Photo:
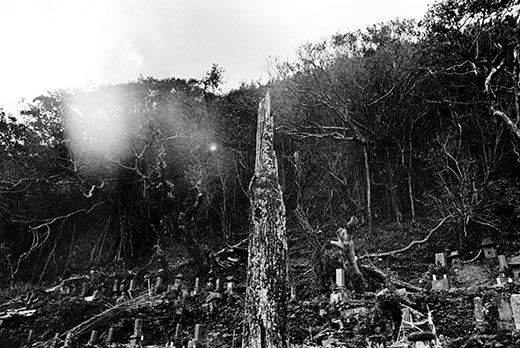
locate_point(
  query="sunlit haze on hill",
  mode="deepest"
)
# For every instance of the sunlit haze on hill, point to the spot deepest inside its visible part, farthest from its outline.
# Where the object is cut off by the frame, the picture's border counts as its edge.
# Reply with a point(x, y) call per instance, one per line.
point(62, 44)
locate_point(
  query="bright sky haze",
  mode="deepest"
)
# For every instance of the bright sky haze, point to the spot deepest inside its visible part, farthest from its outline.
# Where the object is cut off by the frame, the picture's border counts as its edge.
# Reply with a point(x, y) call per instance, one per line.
point(79, 43)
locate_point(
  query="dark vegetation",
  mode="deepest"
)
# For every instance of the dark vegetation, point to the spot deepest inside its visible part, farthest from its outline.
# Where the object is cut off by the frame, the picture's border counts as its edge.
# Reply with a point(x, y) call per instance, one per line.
point(402, 125)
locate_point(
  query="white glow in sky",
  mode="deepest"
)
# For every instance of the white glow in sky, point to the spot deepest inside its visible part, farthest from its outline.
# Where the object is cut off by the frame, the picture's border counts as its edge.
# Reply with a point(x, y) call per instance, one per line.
point(76, 43)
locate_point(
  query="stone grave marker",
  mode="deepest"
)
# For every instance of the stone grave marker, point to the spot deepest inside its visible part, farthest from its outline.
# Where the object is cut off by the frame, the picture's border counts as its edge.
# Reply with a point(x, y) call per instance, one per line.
point(293, 293)
point(515, 306)
point(479, 316)
point(340, 278)
point(68, 340)
point(196, 288)
point(502, 263)
point(218, 285)
point(83, 292)
point(455, 258)
point(132, 285)
point(406, 318)
point(93, 338)
point(502, 280)
point(440, 260)
point(177, 337)
point(488, 245)
point(55, 340)
point(30, 337)
point(441, 284)
point(197, 335)
point(138, 333)
point(115, 288)
point(505, 313)
point(110, 336)
point(230, 287)
point(178, 282)
point(148, 284)
point(158, 284)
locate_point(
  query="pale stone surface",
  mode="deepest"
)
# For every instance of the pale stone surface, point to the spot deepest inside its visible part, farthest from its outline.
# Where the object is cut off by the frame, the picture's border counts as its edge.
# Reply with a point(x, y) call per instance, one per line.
point(502, 262)
point(489, 252)
point(197, 336)
point(478, 309)
point(340, 278)
point(515, 306)
point(406, 318)
point(440, 259)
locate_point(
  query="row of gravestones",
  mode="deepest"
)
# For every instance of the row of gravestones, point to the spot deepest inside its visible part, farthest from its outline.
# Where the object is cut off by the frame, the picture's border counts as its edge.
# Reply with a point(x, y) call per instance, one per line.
point(488, 248)
point(120, 290)
point(136, 340)
point(508, 312)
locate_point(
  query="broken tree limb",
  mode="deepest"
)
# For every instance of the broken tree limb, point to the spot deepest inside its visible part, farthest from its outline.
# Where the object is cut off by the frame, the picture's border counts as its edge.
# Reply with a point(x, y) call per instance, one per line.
point(413, 243)
point(348, 255)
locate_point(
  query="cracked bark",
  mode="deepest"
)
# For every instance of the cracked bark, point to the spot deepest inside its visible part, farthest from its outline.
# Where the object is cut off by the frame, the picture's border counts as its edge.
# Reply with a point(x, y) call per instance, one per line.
point(265, 323)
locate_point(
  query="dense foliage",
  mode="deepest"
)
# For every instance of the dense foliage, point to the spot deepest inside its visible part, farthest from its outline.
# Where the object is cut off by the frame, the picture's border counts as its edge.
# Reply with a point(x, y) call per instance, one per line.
point(403, 123)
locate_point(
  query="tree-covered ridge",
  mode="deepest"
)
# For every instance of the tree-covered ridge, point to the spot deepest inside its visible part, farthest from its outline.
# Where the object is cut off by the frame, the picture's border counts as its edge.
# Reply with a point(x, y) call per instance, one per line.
point(401, 124)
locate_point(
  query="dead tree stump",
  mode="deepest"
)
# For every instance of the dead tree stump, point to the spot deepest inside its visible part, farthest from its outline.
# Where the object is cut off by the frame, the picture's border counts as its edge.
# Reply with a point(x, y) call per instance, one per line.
point(265, 320)
point(348, 255)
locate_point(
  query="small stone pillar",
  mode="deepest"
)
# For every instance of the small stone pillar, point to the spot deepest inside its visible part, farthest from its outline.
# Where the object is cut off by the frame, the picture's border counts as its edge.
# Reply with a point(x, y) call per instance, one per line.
point(441, 260)
point(502, 263)
point(148, 281)
point(441, 284)
point(488, 246)
point(30, 337)
point(178, 282)
point(406, 321)
point(83, 292)
point(158, 284)
point(478, 310)
point(230, 287)
point(55, 340)
point(132, 285)
point(514, 264)
point(293, 293)
point(138, 333)
point(177, 337)
point(218, 285)
point(197, 335)
point(115, 287)
point(501, 280)
point(68, 340)
point(515, 306)
point(455, 258)
point(196, 289)
point(110, 336)
point(93, 338)
point(340, 278)
point(505, 313)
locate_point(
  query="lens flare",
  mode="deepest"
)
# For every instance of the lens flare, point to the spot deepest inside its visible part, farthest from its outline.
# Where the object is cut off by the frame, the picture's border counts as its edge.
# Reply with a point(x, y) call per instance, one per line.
point(95, 123)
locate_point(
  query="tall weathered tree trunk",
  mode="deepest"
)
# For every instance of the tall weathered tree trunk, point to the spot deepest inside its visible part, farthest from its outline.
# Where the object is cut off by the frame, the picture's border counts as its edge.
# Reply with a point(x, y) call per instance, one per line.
point(265, 323)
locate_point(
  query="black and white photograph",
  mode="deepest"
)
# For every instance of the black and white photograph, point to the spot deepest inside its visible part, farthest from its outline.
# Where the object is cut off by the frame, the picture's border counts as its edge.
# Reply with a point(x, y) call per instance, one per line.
point(259, 174)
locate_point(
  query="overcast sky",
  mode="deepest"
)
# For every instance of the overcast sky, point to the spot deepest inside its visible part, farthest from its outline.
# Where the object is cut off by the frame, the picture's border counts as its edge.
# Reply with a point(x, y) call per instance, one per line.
point(47, 44)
